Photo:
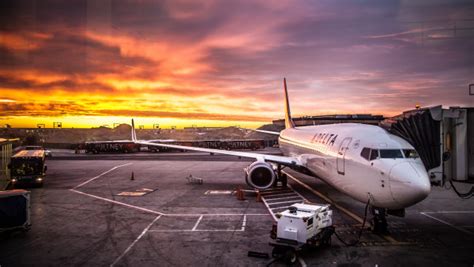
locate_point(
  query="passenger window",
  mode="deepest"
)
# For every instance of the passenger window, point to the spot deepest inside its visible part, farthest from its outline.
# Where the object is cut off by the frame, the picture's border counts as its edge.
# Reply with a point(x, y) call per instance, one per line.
point(365, 153)
point(374, 154)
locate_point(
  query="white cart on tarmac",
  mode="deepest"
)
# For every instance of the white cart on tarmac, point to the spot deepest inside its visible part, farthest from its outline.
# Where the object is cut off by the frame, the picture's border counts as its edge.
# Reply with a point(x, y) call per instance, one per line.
point(299, 226)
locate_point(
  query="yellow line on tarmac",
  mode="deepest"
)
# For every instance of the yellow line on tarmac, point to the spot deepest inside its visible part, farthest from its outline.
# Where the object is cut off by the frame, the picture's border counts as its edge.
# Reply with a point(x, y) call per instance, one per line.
point(339, 207)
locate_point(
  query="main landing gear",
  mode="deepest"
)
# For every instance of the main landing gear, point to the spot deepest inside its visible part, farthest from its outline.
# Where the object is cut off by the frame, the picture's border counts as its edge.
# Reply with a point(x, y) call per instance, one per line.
point(281, 177)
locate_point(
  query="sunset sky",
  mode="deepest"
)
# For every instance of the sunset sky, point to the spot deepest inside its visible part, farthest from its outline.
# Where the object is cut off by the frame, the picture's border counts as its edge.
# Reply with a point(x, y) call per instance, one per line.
point(219, 63)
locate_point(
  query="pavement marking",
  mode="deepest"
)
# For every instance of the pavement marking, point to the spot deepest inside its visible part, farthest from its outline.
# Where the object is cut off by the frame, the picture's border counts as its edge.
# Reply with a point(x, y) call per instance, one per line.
point(194, 229)
point(280, 198)
point(339, 207)
point(301, 261)
point(284, 202)
point(244, 223)
point(197, 230)
point(213, 214)
point(164, 214)
point(448, 211)
point(145, 209)
point(447, 223)
point(269, 196)
point(102, 174)
point(197, 223)
point(117, 202)
point(279, 208)
point(135, 241)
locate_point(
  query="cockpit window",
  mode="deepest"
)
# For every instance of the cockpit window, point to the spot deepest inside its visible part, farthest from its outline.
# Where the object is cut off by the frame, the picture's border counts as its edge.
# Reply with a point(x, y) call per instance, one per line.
point(390, 153)
point(410, 153)
point(374, 154)
point(369, 154)
point(365, 153)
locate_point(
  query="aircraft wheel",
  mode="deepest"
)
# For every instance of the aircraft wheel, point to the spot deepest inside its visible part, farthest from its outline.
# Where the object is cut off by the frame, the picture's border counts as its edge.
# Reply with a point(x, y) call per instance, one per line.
point(277, 252)
point(290, 256)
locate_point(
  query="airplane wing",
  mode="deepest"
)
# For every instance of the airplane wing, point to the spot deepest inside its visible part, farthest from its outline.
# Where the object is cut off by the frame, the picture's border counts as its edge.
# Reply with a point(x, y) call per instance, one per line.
point(287, 161)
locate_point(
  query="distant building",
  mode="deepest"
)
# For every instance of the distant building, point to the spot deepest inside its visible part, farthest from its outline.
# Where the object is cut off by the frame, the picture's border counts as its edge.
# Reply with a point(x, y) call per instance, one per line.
point(204, 128)
point(337, 118)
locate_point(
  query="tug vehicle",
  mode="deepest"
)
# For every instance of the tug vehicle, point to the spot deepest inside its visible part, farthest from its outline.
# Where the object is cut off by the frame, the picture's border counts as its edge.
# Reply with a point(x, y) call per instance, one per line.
point(301, 225)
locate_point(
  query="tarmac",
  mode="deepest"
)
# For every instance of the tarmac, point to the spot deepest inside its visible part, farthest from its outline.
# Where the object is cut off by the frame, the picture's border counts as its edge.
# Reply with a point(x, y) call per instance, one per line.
point(91, 212)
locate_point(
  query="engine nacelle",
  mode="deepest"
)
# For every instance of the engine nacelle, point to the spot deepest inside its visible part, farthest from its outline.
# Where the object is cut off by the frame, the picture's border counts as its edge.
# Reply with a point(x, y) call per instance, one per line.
point(260, 175)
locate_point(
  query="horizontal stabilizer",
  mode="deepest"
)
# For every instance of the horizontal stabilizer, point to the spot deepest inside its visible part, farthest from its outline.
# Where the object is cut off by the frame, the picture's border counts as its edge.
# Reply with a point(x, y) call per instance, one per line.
point(134, 134)
point(268, 132)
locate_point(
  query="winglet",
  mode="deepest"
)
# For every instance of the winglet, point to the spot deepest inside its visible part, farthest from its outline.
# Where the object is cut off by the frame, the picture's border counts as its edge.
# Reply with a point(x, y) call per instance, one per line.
point(134, 134)
point(288, 121)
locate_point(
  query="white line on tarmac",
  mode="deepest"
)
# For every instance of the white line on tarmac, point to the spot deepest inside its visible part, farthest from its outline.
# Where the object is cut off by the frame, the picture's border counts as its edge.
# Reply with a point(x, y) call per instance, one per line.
point(277, 194)
point(283, 202)
point(197, 230)
point(135, 241)
point(213, 214)
point(305, 199)
point(447, 223)
point(448, 211)
point(164, 214)
point(303, 264)
point(100, 175)
point(117, 202)
point(244, 222)
point(197, 223)
point(280, 198)
point(279, 208)
point(145, 209)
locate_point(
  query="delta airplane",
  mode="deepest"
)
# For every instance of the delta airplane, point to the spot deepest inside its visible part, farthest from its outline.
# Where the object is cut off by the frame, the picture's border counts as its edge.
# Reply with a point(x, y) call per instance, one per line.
point(363, 161)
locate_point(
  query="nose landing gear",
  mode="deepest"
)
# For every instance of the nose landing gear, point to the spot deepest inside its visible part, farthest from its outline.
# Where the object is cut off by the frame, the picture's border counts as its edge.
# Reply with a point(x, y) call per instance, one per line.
point(379, 220)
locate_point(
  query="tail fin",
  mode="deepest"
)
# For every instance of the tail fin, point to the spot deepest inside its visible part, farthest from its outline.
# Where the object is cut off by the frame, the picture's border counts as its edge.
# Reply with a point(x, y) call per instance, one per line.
point(288, 121)
point(134, 134)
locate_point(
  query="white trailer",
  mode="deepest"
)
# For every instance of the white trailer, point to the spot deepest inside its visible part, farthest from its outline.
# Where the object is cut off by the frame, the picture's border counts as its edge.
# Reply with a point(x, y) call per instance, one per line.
point(301, 225)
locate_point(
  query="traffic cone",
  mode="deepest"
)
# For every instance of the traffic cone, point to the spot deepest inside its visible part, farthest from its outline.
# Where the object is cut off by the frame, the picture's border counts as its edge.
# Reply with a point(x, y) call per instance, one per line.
point(133, 177)
point(240, 194)
point(259, 196)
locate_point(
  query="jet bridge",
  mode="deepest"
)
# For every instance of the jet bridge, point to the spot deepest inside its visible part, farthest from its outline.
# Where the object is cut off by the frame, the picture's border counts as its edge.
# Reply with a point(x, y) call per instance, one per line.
point(444, 138)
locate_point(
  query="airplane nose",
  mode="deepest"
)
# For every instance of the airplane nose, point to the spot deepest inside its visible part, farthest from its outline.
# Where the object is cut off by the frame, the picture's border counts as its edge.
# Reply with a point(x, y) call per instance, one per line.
point(409, 183)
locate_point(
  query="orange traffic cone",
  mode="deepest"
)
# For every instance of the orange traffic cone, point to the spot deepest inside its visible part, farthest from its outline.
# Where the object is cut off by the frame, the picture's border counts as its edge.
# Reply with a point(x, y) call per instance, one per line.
point(259, 196)
point(240, 194)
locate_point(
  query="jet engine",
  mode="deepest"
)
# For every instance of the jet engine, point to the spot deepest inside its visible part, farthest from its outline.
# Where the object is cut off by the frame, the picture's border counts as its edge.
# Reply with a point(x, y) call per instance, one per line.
point(260, 175)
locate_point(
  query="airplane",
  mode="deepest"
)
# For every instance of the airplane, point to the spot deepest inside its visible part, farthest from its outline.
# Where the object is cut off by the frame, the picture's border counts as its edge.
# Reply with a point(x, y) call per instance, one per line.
point(363, 161)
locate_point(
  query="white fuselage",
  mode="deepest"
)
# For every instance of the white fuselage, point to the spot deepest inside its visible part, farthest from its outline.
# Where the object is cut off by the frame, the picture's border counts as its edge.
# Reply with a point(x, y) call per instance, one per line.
point(333, 152)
